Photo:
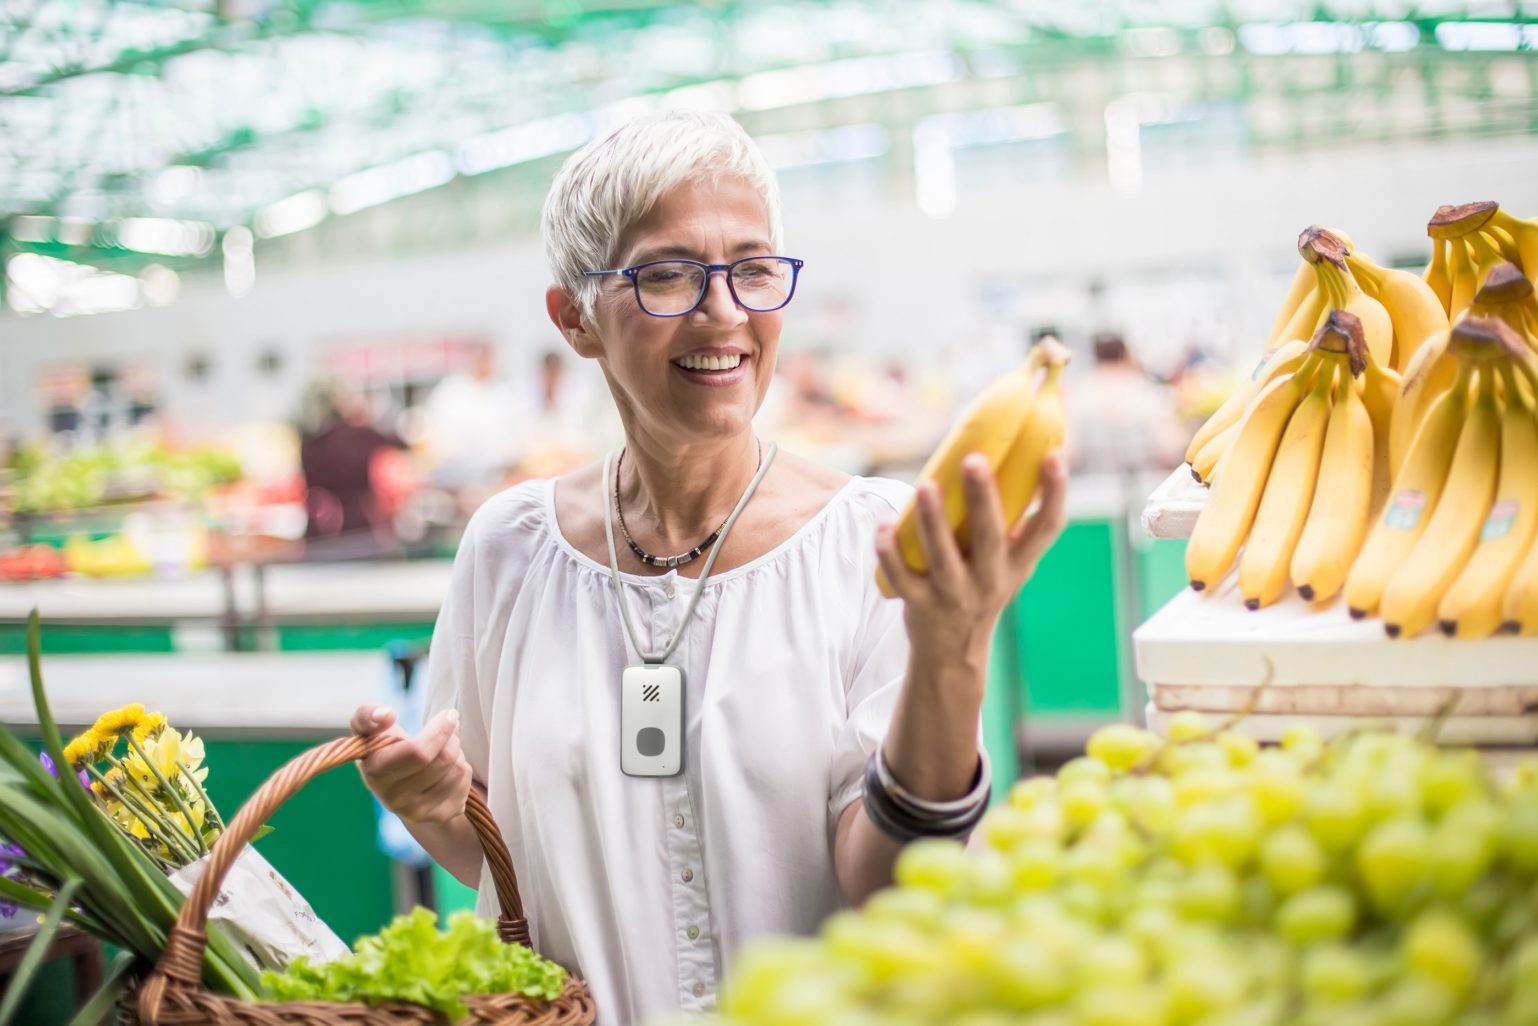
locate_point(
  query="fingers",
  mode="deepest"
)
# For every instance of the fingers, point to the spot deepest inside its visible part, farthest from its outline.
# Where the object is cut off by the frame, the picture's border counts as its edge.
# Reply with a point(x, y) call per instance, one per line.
point(889, 556)
point(372, 719)
point(445, 799)
point(985, 512)
point(1037, 532)
point(410, 758)
point(938, 544)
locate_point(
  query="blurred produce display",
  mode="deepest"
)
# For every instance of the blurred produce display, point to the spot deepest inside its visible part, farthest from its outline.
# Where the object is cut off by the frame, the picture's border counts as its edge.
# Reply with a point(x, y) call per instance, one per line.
point(86, 477)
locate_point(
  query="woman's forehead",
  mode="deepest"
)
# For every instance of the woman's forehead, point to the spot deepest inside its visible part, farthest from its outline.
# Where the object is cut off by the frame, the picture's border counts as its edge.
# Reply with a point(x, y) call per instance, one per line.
point(693, 217)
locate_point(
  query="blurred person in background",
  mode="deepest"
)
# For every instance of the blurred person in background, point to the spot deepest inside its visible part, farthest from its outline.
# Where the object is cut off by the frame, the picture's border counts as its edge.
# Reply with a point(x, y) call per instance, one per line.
point(339, 450)
point(1120, 419)
point(808, 701)
point(472, 420)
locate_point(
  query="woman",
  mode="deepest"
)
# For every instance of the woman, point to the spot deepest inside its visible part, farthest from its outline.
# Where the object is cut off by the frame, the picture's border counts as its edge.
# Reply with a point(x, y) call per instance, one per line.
point(795, 670)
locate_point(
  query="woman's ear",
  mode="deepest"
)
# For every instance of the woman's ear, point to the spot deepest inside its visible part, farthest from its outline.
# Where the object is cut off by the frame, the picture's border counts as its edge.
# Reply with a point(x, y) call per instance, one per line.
point(567, 316)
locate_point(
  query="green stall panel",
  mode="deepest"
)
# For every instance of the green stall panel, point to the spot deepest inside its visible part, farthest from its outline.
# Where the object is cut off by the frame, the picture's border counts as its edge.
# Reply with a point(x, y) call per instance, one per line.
point(89, 639)
point(334, 637)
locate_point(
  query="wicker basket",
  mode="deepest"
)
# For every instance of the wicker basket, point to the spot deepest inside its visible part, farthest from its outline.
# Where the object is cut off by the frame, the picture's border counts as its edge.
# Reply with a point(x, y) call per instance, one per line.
point(172, 994)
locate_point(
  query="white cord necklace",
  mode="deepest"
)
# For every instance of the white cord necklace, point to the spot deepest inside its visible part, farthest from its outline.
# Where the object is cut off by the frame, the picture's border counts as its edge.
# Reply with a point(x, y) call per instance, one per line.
point(651, 693)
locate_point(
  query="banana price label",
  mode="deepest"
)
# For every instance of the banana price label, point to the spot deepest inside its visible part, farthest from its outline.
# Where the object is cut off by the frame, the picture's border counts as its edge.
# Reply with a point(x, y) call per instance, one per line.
point(1404, 510)
point(1498, 524)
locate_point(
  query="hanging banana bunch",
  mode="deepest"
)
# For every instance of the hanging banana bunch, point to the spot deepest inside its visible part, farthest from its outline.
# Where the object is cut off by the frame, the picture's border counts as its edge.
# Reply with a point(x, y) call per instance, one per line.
point(1469, 241)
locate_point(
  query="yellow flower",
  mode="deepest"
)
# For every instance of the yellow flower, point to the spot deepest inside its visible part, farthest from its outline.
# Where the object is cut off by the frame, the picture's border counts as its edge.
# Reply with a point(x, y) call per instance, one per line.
point(81, 748)
point(149, 727)
point(117, 721)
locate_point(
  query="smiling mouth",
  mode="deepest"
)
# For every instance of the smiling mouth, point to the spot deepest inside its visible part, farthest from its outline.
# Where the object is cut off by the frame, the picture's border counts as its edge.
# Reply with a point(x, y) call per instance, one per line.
point(710, 364)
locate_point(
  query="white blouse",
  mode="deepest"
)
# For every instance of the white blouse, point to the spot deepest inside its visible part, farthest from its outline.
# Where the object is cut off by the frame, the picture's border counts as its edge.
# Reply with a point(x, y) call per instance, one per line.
point(792, 665)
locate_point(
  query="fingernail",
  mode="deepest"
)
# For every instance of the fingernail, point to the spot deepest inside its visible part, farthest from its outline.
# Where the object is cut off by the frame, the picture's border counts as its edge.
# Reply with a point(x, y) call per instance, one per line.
point(381, 714)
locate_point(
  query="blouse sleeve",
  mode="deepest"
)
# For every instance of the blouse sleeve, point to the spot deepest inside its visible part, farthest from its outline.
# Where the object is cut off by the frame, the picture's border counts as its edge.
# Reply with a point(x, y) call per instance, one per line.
point(875, 679)
point(452, 678)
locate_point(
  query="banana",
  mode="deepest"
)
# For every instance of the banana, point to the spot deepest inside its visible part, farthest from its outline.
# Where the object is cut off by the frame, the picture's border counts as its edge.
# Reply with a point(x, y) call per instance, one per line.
point(1327, 253)
point(1506, 294)
point(1503, 241)
point(1297, 292)
point(1284, 505)
point(1409, 506)
point(1225, 519)
point(1380, 389)
point(1413, 307)
point(1342, 504)
point(1305, 319)
point(1284, 361)
point(1020, 473)
point(1486, 258)
point(1472, 606)
point(1464, 276)
point(1206, 461)
point(1436, 275)
point(1459, 508)
point(989, 426)
point(1525, 234)
point(1429, 375)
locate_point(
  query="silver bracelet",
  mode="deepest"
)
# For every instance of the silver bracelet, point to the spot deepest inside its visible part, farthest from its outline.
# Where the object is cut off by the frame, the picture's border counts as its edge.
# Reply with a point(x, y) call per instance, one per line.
point(982, 789)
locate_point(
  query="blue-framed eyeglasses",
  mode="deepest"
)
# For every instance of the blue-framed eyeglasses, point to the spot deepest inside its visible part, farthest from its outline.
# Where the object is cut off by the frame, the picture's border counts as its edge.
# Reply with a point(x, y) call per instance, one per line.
point(672, 288)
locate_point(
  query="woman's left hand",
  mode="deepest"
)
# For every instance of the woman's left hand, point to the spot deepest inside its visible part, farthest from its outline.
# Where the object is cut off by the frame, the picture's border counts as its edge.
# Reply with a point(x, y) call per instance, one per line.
point(951, 610)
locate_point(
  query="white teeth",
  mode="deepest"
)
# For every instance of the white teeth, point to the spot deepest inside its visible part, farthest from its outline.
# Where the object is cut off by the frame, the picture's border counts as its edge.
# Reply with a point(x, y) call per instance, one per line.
point(710, 363)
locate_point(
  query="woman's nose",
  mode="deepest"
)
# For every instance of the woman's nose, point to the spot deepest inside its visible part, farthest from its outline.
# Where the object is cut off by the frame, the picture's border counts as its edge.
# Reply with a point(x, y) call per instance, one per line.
point(717, 303)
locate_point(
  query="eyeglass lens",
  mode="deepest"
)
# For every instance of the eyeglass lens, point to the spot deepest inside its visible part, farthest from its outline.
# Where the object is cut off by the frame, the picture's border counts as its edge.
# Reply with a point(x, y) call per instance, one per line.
point(673, 287)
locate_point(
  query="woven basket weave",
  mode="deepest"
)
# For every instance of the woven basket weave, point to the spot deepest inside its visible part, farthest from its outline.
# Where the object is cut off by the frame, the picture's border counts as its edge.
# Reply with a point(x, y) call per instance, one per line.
point(172, 994)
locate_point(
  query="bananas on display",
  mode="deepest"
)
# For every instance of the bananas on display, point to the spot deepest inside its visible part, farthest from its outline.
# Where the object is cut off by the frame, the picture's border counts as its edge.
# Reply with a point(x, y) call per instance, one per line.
point(1265, 498)
point(1398, 312)
point(1454, 543)
point(1470, 240)
point(1014, 423)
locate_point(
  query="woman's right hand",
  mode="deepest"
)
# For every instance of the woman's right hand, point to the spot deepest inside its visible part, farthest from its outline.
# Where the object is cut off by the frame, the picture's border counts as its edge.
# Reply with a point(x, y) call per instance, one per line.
point(422, 779)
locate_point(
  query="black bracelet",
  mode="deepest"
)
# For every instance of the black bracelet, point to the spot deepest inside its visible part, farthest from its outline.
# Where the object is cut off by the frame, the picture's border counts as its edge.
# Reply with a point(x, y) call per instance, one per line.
point(903, 823)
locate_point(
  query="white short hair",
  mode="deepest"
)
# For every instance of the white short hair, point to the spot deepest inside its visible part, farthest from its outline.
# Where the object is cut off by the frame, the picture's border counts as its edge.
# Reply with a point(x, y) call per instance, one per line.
point(610, 184)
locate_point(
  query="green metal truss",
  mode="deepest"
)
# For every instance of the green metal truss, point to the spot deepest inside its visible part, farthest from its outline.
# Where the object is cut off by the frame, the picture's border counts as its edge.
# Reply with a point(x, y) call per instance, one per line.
point(209, 112)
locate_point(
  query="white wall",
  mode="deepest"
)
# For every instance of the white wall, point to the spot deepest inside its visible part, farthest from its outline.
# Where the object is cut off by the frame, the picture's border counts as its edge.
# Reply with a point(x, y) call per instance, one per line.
point(916, 282)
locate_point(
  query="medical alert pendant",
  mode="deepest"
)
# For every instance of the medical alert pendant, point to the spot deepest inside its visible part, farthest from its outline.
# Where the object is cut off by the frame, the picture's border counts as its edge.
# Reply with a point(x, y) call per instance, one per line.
point(652, 720)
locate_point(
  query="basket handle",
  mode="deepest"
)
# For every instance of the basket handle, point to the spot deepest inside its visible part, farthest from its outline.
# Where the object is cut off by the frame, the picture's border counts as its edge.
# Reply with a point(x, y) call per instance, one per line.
point(181, 959)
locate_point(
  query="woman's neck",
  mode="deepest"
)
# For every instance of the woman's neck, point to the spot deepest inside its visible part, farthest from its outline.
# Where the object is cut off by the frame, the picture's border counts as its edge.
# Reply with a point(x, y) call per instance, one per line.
point(679, 495)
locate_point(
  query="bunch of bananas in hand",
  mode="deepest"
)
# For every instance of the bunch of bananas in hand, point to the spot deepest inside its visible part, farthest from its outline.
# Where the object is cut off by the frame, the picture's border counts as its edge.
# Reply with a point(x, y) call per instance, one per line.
point(1015, 422)
point(1398, 312)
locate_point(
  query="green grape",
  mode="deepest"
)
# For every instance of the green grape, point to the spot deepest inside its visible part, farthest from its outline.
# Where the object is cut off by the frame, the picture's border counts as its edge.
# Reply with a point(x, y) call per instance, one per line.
point(1205, 785)
point(1027, 794)
point(882, 951)
point(914, 906)
point(1519, 834)
point(1121, 745)
point(1150, 925)
point(1291, 859)
point(1526, 776)
point(1333, 973)
point(969, 940)
point(1198, 987)
point(1321, 913)
point(1334, 816)
point(1523, 965)
point(1192, 757)
point(1224, 831)
point(1082, 801)
point(1463, 846)
point(992, 879)
point(1028, 973)
point(1393, 792)
point(1111, 960)
point(1034, 865)
point(1153, 809)
point(1099, 865)
point(1416, 1001)
point(1393, 861)
point(935, 865)
point(1442, 947)
point(1450, 778)
point(1302, 741)
point(1119, 1006)
point(1276, 784)
point(1210, 893)
point(1005, 828)
point(1241, 748)
point(1257, 902)
point(1085, 900)
point(1188, 726)
point(1083, 768)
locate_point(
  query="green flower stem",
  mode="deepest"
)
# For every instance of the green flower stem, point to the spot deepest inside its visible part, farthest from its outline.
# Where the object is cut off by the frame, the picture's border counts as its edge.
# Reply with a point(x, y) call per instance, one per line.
point(151, 815)
point(176, 796)
point(208, 804)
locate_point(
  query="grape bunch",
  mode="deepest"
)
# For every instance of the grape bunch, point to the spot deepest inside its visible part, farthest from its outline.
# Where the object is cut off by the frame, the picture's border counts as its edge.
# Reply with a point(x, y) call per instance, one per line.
point(1197, 881)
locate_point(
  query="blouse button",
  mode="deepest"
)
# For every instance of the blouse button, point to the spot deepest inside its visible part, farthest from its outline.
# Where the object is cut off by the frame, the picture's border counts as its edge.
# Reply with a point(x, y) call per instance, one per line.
point(687, 874)
point(678, 821)
point(699, 990)
point(669, 590)
point(693, 932)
